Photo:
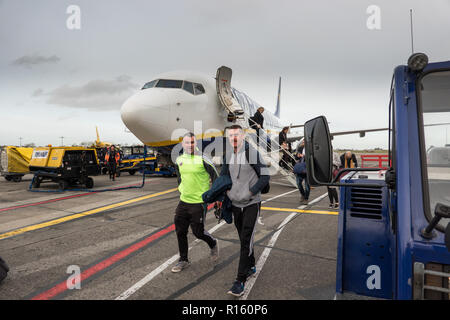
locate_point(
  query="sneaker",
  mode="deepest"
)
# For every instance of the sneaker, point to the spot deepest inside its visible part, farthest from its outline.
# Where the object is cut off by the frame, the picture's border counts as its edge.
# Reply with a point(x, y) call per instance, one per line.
point(215, 252)
point(251, 272)
point(336, 205)
point(330, 206)
point(237, 289)
point(180, 266)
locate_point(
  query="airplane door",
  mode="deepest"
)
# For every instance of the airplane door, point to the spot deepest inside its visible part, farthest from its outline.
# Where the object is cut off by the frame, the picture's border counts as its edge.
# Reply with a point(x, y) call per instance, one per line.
point(223, 87)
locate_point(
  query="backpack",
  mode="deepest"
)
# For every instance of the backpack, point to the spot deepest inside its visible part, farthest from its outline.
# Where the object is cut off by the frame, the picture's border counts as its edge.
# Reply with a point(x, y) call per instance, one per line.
point(3, 269)
point(300, 168)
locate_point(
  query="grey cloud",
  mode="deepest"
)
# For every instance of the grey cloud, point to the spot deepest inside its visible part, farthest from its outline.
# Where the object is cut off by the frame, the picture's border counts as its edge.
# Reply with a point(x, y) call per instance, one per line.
point(94, 95)
point(33, 60)
point(38, 92)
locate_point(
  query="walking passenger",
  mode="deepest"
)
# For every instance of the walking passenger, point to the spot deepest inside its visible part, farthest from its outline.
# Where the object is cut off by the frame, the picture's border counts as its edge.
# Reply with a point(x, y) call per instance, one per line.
point(301, 176)
point(194, 174)
point(332, 192)
point(244, 165)
point(257, 122)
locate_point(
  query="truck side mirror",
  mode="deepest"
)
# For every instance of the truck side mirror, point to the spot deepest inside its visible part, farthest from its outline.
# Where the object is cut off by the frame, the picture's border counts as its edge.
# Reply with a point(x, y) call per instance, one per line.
point(318, 153)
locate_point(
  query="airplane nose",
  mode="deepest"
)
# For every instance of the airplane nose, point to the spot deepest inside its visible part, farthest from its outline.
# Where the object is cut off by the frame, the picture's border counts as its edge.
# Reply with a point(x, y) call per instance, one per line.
point(146, 114)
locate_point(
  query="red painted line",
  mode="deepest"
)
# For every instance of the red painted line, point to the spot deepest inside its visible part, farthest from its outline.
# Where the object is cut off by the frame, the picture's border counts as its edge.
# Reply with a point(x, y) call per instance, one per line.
point(62, 198)
point(47, 201)
point(61, 287)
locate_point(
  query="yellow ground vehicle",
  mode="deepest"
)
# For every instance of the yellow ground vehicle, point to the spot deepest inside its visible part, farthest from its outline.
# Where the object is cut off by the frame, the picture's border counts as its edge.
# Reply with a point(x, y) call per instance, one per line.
point(64, 165)
point(14, 162)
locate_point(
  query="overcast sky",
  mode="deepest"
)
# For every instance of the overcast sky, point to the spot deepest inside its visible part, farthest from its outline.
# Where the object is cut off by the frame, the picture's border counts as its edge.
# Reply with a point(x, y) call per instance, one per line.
point(59, 82)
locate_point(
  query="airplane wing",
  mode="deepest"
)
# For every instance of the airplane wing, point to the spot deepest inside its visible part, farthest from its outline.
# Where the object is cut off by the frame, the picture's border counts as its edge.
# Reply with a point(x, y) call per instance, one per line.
point(362, 132)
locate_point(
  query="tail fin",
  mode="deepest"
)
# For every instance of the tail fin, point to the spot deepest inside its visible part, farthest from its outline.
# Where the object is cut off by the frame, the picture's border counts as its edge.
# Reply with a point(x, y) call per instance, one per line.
point(277, 111)
point(98, 137)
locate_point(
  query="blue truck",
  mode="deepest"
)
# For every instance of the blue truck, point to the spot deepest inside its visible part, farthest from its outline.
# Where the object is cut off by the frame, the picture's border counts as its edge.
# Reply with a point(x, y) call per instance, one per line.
point(394, 225)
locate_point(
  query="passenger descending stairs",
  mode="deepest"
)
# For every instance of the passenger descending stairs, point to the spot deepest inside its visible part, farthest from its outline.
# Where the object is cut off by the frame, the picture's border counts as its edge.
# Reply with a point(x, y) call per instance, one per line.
point(270, 153)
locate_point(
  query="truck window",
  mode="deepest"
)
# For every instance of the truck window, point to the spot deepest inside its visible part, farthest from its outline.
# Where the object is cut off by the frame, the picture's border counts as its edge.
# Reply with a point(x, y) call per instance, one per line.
point(435, 105)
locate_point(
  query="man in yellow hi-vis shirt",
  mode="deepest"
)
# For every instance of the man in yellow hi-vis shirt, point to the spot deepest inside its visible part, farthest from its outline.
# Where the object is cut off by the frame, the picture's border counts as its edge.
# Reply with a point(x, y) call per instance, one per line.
point(194, 174)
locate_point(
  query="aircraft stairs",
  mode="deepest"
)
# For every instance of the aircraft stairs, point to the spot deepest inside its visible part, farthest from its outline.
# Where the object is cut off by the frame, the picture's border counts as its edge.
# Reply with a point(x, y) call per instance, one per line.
point(271, 151)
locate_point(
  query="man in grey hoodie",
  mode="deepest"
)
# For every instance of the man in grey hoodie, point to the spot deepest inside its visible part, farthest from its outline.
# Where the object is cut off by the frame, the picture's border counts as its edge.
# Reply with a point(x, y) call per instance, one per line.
point(245, 167)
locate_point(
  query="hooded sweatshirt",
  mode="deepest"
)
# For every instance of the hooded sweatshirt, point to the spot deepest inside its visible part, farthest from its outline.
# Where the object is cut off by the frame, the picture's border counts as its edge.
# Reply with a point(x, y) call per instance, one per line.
point(243, 177)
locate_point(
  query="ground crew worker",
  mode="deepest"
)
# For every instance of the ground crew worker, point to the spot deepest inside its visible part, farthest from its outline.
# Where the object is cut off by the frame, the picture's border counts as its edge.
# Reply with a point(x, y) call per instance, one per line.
point(194, 173)
point(348, 160)
point(112, 158)
point(245, 167)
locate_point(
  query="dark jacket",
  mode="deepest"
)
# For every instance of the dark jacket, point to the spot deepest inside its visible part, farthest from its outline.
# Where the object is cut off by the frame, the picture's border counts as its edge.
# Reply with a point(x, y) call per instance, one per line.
point(259, 119)
point(282, 137)
point(218, 190)
point(218, 193)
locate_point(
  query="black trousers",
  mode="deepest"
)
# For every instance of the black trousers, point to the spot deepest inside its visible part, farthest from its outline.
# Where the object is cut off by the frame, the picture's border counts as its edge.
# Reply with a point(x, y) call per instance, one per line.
point(193, 215)
point(332, 194)
point(112, 169)
point(245, 221)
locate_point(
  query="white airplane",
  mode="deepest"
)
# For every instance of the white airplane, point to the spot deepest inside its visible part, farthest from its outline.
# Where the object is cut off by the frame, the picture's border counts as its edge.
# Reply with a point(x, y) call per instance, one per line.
point(176, 100)
point(169, 106)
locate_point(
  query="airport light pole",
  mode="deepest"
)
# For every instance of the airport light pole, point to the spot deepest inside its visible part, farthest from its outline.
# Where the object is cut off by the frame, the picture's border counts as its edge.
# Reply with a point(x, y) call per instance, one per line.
point(20, 141)
point(62, 141)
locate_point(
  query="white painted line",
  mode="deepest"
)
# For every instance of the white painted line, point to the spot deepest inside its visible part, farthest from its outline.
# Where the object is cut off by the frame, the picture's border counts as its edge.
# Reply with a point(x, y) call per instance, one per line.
point(263, 257)
point(126, 294)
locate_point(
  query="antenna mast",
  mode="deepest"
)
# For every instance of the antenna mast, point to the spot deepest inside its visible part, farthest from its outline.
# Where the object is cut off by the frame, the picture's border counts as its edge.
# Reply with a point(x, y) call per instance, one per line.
point(412, 36)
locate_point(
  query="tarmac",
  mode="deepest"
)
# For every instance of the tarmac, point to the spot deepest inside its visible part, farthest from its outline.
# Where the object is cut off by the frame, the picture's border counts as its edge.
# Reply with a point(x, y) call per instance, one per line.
point(122, 244)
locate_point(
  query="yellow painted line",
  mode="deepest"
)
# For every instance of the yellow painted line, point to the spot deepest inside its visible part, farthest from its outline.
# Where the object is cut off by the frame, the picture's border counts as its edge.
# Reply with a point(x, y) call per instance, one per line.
point(81, 214)
point(335, 213)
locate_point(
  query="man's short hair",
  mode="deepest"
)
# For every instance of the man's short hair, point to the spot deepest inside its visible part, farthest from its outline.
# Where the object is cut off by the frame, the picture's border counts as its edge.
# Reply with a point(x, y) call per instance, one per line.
point(235, 126)
point(189, 134)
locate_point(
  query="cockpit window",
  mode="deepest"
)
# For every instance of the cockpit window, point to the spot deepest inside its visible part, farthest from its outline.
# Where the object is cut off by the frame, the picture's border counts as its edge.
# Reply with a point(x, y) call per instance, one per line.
point(198, 89)
point(150, 84)
point(188, 86)
point(175, 84)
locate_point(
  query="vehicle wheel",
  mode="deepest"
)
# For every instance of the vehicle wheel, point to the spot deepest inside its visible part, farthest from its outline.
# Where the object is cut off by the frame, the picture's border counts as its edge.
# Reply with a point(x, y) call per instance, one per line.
point(104, 170)
point(17, 178)
point(132, 172)
point(8, 178)
point(89, 183)
point(118, 173)
point(63, 184)
point(36, 183)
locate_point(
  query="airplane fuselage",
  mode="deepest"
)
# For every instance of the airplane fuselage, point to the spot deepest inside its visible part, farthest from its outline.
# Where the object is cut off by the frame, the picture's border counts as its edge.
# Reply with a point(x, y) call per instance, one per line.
point(177, 102)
